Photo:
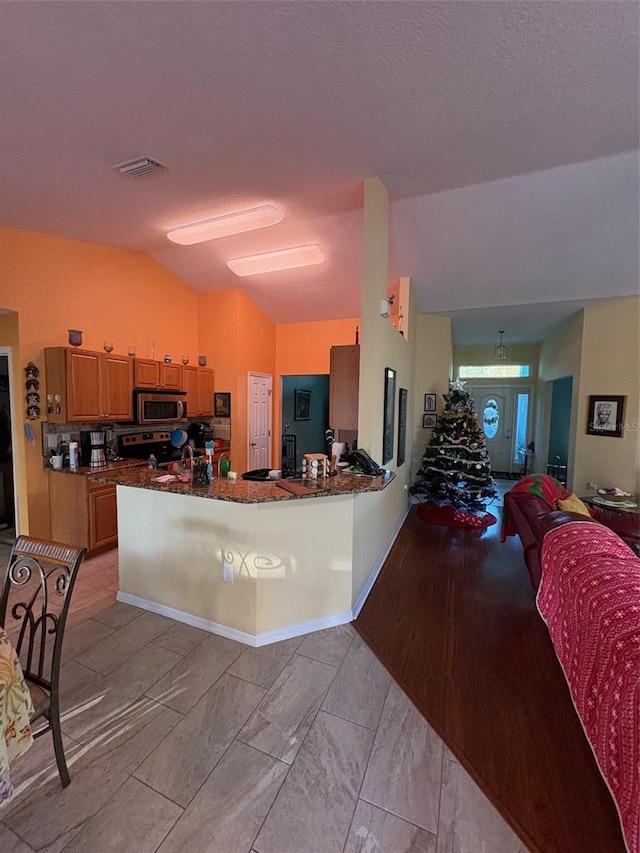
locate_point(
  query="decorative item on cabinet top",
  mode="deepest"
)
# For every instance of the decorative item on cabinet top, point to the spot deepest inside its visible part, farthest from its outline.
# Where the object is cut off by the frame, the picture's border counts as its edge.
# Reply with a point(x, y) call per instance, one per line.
point(75, 337)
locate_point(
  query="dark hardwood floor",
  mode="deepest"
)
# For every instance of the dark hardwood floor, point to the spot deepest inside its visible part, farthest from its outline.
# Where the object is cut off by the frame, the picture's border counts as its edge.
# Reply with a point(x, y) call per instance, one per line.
point(452, 616)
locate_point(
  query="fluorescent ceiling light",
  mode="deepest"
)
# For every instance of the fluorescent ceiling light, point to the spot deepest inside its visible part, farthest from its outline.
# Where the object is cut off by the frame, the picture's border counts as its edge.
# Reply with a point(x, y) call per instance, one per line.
point(223, 226)
point(284, 259)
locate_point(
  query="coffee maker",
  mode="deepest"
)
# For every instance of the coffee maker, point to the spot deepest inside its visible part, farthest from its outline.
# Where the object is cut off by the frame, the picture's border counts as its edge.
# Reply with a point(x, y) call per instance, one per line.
point(92, 448)
point(200, 432)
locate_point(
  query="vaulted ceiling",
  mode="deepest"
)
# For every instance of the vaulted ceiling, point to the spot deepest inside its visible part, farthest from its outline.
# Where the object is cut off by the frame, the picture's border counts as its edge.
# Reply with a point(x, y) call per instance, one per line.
point(505, 132)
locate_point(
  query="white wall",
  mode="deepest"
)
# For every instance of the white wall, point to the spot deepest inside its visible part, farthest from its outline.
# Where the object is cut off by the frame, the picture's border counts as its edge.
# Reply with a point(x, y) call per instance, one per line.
point(433, 369)
point(382, 346)
point(610, 365)
point(600, 347)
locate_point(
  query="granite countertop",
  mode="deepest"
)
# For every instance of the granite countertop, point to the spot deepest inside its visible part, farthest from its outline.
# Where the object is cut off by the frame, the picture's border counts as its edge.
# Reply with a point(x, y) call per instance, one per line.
point(109, 467)
point(241, 491)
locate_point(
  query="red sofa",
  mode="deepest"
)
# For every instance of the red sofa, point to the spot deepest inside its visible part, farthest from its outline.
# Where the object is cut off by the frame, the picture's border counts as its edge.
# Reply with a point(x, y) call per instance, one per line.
point(530, 517)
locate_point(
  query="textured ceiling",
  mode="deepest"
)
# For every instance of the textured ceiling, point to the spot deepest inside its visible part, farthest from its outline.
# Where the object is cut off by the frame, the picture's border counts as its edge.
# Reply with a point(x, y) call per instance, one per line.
point(471, 113)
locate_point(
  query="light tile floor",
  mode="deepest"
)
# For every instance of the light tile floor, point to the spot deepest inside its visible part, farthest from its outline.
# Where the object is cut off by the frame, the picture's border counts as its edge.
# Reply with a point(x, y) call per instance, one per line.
point(179, 740)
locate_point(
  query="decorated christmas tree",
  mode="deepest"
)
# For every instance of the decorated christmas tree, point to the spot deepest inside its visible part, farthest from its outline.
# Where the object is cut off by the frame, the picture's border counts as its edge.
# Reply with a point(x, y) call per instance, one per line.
point(455, 469)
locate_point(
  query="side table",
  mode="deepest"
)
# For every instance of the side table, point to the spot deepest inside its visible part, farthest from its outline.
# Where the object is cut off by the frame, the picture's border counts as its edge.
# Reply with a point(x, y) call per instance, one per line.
point(623, 520)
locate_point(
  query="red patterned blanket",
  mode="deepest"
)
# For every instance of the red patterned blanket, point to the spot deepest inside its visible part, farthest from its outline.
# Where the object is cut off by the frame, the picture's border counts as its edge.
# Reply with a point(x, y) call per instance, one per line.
point(590, 599)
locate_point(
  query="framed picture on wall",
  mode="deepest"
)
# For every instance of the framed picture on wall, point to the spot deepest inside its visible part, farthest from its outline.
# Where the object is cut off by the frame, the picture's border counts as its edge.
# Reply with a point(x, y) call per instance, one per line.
point(389, 413)
point(301, 405)
point(402, 426)
point(429, 402)
point(605, 415)
point(429, 420)
point(222, 404)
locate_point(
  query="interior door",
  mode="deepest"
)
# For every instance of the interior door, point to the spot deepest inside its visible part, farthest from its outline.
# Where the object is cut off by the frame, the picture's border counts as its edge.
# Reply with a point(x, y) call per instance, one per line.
point(259, 421)
point(494, 406)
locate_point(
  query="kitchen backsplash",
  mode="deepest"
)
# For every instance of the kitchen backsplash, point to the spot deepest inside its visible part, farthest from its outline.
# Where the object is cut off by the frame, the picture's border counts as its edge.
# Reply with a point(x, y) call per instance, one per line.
point(221, 428)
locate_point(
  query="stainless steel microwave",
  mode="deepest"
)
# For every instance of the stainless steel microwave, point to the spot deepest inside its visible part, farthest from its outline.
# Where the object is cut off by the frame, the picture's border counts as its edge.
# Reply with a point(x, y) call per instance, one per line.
point(157, 407)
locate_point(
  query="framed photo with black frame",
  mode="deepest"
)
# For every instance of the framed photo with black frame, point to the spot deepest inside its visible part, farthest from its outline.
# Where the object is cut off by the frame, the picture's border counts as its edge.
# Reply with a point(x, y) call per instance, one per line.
point(606, 413)
point(429, 402)
point(301, 405)
point(429, 420)
point(402, 426)
point(389, 414)
point(222, 404)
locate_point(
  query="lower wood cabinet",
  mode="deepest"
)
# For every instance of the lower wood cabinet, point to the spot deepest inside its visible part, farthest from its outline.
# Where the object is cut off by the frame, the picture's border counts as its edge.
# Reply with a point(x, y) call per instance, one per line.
point(83, 512)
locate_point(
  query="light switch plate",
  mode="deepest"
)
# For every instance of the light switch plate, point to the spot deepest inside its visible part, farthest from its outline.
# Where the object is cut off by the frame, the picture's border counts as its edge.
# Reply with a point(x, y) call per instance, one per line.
point(52, 441)
point(227, 572)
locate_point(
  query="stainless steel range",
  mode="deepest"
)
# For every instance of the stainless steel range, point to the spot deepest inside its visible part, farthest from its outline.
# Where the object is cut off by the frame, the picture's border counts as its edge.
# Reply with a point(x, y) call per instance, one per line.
point(140, 445)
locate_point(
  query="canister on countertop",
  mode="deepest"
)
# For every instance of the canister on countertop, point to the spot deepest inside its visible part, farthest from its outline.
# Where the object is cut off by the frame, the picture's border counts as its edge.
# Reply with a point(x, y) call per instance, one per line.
point(74, 456)
point(314, 465)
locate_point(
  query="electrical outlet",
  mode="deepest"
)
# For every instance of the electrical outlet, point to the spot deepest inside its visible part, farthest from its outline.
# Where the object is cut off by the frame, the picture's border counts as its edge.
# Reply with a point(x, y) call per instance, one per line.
point(227, 572)
point(52, 441)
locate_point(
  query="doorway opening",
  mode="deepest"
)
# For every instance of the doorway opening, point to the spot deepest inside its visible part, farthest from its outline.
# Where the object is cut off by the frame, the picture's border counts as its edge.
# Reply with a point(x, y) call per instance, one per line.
point(560, 427)
point(305, 413)
point(7, 477)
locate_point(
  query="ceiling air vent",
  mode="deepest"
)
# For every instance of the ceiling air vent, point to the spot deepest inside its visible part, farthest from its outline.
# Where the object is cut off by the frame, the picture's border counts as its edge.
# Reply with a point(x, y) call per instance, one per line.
point(141, 166)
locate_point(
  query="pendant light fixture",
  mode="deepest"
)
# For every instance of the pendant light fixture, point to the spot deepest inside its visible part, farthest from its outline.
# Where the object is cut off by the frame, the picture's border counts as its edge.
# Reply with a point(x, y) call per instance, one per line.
point(500, 352)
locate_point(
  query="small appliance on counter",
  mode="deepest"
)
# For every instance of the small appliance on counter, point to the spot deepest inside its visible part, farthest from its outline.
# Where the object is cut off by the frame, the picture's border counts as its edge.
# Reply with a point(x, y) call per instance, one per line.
point(200, 432)
point(92, 448)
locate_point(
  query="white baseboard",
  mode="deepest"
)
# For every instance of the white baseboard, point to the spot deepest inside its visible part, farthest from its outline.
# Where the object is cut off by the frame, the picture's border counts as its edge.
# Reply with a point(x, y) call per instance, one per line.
point(255, 640)
point(360, 600)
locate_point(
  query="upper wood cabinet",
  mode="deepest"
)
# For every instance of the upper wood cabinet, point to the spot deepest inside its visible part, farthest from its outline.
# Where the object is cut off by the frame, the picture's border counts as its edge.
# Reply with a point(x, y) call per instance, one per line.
point(198, 383)
point(171, 376)
point(190, 375)
point(146, 373)
point(88, 386)
point(158, 374)
point(205, 391)
point(344, 384)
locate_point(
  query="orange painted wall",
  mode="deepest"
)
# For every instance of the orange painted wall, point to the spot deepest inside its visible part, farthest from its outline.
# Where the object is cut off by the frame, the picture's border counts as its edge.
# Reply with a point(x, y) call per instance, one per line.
point(57, 284)
point(241, 339)
point(304, 348)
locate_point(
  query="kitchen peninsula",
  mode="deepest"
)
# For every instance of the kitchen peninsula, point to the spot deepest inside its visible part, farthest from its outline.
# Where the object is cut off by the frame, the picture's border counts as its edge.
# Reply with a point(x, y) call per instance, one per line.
point(247, 560)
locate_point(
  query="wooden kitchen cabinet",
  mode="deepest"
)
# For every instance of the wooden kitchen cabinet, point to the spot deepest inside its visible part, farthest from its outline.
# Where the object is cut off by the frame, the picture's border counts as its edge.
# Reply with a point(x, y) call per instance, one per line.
point(190, 376)
point(83, 512)
point(88, 386)
point(157, 374)
point(198, 383)
point(171, 376)
point(344, 382)
point(205, 391)
point(146, 373)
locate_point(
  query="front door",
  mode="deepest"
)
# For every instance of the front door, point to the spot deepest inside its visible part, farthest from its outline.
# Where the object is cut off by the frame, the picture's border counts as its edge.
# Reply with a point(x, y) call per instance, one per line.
point(495, 415)
point(259, 421)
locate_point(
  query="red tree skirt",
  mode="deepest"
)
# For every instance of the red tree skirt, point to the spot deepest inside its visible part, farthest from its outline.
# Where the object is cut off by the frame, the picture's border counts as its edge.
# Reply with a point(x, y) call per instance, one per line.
point(449, 516)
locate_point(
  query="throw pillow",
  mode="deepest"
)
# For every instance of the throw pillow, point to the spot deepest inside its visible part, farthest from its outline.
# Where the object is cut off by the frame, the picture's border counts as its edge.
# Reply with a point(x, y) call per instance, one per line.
point(573, 504)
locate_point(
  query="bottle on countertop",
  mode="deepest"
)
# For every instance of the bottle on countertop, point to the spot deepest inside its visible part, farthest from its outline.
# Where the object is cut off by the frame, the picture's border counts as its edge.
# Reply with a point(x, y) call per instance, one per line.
point(152, 464)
